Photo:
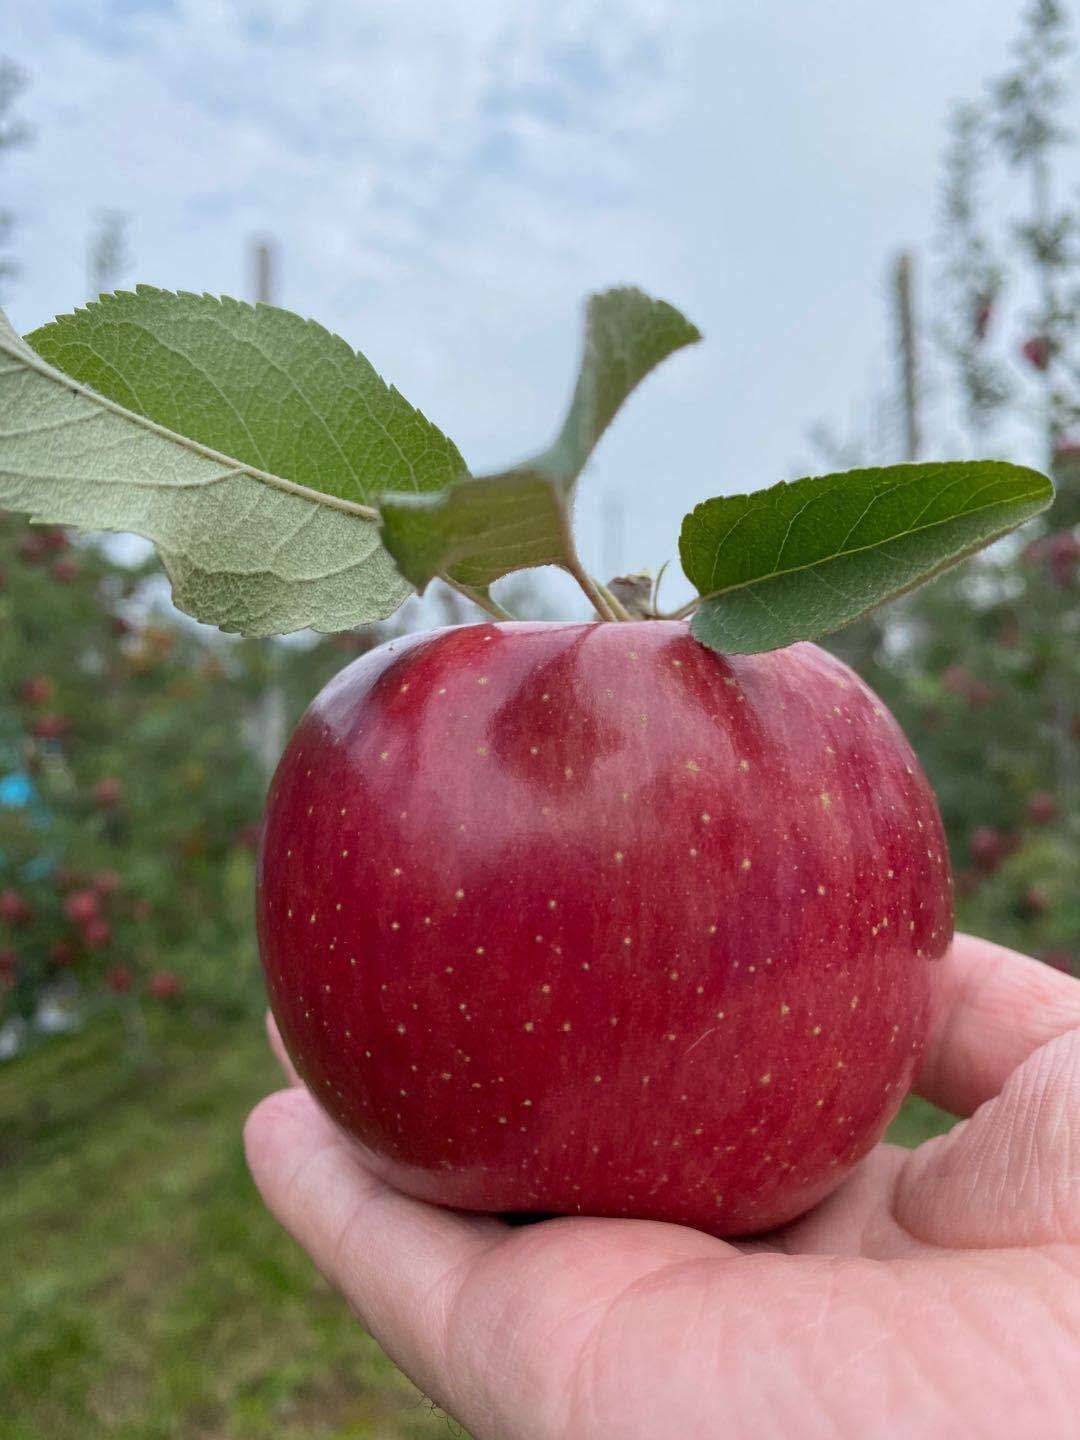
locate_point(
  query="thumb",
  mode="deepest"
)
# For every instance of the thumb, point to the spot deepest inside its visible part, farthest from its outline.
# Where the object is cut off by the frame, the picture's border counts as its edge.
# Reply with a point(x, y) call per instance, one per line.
point(1011, 1174)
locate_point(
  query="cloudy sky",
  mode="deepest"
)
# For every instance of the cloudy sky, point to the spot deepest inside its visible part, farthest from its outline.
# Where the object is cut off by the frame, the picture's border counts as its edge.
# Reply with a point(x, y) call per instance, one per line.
point(445, 181)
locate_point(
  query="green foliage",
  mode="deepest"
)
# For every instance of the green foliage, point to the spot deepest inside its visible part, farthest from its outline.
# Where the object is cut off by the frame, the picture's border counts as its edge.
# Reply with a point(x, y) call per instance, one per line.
point(982, 667)
point(800, 560)
point(246, 443)
point(131, 771)
point(482, 529)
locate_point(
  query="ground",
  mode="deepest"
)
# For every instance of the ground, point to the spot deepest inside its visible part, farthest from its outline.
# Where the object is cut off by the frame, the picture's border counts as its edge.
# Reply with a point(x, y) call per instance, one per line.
point(147, 1296)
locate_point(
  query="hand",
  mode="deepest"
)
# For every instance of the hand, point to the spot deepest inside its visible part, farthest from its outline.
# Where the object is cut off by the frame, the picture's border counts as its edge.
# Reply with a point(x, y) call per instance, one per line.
point(936, 1294)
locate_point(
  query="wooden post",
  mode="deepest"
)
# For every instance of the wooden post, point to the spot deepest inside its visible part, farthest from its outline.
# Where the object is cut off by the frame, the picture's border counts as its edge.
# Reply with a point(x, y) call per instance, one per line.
point(909, 368)
point(271, 720)
point(263, 270)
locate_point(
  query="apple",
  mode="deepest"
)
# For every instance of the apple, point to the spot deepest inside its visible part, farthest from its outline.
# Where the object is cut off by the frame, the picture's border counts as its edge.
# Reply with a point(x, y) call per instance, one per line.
point(66, 570)
point(37, 690)
point(50, 726)
point(96, 932)
point(164, 985)
point(14, 907)
point(82, 905)
point(1042, 808)
point(1038, 351)
point(586, 918)
point(118, 978)
point(63, 952)
point(106, 882)
point(987, 847)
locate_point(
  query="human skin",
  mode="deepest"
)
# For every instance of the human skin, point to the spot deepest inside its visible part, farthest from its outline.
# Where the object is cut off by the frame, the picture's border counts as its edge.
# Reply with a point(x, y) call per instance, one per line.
point(935, 1294)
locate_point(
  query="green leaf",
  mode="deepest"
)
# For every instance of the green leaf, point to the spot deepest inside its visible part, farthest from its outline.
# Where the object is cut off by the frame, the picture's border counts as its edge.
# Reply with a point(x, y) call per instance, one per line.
point(249, 444)
point(479, 530)
point(799, 560)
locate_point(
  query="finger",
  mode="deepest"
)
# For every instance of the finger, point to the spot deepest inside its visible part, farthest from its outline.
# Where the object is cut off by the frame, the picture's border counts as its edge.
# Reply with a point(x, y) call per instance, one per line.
point(277, 1045)
point(992, 1009)
point(1007, 1176)
point(397, 1261)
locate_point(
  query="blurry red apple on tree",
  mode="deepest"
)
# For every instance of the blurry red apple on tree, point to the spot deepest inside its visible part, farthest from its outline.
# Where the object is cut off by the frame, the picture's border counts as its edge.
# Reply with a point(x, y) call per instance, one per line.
point(82, 905)
point(50, 726)
point(165, 985)
point(1038, 351)
point(96, 932)
point(987, 847)
point(1042, 808)
point(64, 953)
point(119, 979)
point(66, 570)
point(37, 690)
point(14, 907)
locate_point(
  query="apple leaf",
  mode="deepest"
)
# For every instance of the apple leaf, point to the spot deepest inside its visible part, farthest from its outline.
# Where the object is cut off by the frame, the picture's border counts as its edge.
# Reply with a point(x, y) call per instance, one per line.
point(799, 560)
point(249, 444)
point(480, 529)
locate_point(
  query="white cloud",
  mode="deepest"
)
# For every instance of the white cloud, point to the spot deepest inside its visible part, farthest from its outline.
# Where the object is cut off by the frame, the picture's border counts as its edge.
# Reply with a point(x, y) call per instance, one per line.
point(445, 181)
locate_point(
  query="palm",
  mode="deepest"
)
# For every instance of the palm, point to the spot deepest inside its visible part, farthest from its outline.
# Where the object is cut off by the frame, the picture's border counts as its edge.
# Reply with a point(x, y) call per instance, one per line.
point(936, 1293)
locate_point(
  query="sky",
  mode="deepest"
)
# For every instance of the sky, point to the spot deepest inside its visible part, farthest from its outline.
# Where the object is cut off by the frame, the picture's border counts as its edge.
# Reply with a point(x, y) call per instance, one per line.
point(444, 184)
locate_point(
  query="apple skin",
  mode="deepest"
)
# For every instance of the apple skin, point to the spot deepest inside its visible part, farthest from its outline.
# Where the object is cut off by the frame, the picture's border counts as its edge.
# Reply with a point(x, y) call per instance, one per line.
point(586, 918)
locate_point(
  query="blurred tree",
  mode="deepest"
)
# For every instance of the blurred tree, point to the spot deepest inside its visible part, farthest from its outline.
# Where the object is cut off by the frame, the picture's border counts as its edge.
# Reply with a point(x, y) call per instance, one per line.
point(130, 786)
point(108, 257)
point(13, 133)
point(982, 667)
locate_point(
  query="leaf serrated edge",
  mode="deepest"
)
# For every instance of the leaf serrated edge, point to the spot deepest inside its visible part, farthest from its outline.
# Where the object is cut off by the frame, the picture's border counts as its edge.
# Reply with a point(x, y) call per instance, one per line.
point(1044, 491)
point(26, 357)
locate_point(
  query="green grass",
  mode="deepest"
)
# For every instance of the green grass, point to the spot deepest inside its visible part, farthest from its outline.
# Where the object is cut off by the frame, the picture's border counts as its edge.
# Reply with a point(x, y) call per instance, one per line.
point(146, 1294)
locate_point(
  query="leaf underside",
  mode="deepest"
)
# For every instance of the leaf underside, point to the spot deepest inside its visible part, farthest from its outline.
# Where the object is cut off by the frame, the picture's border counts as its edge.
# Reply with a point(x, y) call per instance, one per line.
point(799, 560)
point(248, 444)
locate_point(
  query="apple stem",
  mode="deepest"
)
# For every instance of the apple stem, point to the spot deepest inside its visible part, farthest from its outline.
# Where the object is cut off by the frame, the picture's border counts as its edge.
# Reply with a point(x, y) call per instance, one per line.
point(594, 593)
point(683, 610)
point(478, 598)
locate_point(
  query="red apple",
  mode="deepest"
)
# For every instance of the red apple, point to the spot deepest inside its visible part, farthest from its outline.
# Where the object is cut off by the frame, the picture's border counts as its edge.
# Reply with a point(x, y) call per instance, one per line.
point(37, 690)
point(14, 907)
point(9, 962)
point(118, 978)
point(586, 918)
point(96, 932)
point(66, 570)
point(987, 847)
point(1042, 808)
point(1038, 351)
point(107, 882)
point(82, 905)
point(164, 985)
point(63, 952)
point(50, 726)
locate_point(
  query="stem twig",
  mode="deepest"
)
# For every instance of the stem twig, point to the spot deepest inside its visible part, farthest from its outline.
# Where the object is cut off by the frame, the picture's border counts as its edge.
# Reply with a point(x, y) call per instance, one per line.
point(484, 602)
point(592, 590)
point(684, 610)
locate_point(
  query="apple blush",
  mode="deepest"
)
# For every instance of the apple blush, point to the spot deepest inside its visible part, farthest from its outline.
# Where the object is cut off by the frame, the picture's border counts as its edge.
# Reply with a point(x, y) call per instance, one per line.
point(588, 919)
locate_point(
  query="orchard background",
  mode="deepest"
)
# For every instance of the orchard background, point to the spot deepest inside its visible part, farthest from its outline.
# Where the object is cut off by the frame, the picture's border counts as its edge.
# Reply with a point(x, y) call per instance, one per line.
point(146, 1295)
